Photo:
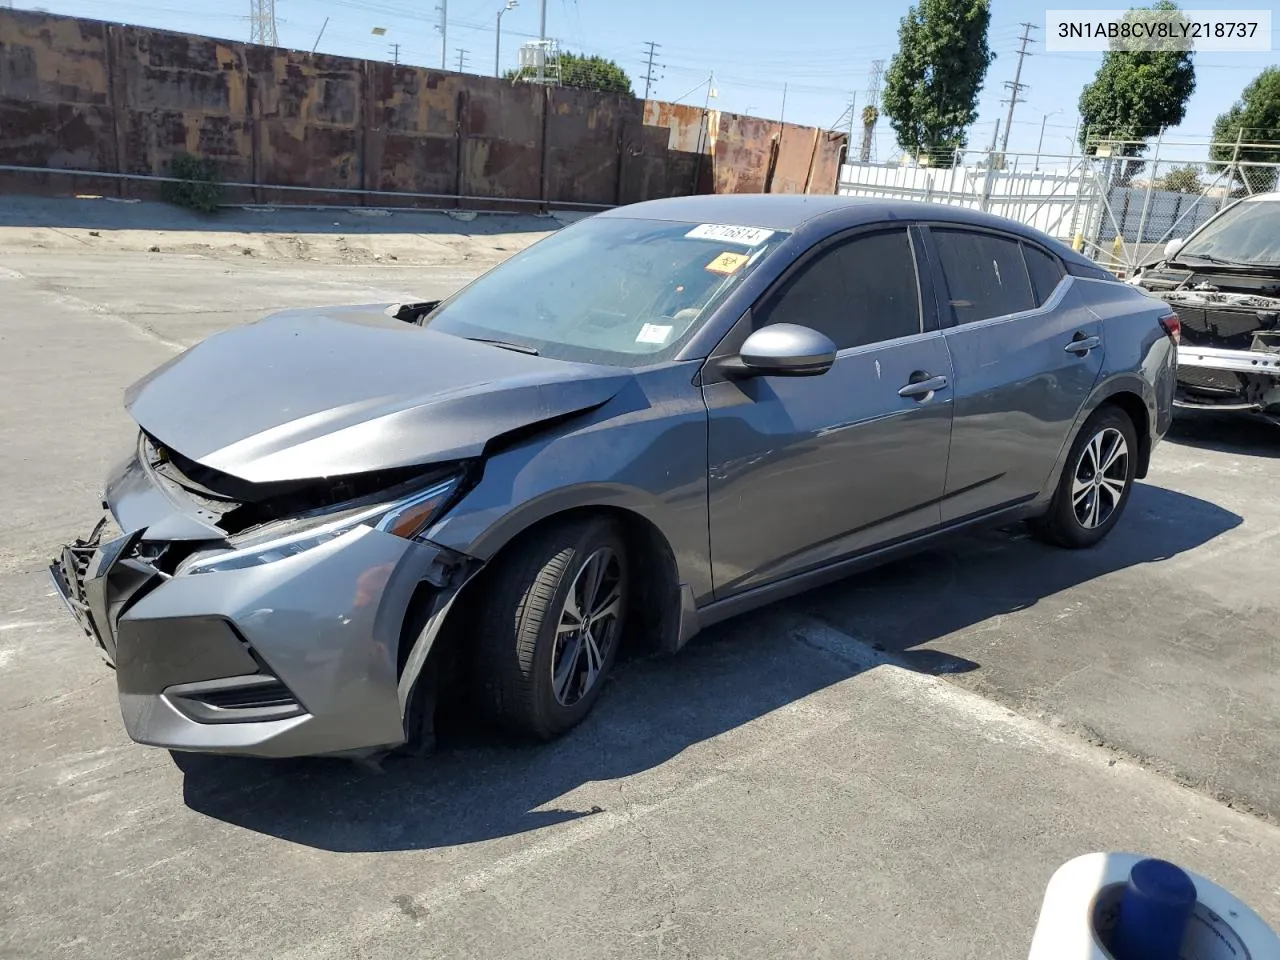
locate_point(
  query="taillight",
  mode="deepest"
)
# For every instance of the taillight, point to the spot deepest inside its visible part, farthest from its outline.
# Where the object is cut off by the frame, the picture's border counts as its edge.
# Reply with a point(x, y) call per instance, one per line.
point(1172, 326)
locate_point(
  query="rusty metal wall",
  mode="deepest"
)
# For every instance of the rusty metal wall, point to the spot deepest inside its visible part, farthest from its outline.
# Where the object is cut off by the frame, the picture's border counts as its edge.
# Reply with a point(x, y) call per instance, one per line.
point(81, 94)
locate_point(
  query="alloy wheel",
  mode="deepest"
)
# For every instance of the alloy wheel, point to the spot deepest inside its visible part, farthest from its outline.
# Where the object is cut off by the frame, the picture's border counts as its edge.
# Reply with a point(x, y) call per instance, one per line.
point(588, 627)
point(1100, 478)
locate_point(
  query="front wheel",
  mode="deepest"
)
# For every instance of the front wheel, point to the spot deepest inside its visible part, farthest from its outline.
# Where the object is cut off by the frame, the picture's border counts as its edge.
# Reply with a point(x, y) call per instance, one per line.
point(1095, 484)
point(552, 622)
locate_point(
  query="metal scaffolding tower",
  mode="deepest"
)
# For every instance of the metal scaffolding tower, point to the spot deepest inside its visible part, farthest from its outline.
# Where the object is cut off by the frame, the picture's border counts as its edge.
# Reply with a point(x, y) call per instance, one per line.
point(262, 22)
point(870, 114)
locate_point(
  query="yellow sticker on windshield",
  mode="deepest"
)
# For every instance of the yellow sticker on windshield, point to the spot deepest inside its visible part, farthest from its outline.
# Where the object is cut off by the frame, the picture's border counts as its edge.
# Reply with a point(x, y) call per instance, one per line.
point(728, 263)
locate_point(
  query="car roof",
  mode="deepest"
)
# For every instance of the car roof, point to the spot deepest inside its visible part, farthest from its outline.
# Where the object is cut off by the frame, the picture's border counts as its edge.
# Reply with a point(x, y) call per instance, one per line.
point(781, 211)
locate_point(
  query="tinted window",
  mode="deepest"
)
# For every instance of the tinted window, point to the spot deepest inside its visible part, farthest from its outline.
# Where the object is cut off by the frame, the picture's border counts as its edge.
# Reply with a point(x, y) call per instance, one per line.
point(862, 291)
point(1045, 272)
point(986, 276)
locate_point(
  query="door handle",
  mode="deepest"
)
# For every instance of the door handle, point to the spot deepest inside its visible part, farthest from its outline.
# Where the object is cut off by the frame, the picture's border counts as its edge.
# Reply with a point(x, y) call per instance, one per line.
point(1083, 345)
point(923, 388)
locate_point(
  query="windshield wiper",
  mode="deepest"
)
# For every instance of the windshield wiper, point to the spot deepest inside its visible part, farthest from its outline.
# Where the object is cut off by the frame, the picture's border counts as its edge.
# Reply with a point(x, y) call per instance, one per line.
point(506, 345)
point(1210, 258)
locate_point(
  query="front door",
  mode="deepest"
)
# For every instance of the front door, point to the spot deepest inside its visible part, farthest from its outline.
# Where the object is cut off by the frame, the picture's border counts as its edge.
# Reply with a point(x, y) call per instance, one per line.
point(807, 470)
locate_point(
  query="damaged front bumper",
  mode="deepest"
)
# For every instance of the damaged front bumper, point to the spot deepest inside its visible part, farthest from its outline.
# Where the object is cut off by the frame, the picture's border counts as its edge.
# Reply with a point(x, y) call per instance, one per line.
point(1230, 380)
point(299, 656)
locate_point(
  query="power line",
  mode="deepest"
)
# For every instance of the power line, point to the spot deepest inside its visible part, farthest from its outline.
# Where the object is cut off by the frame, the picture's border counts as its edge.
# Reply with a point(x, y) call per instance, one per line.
point(649, 78)
point(1016, 87)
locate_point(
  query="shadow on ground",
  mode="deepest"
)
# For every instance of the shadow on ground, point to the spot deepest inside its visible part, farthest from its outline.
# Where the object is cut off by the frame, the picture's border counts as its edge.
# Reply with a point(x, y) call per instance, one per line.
point(108, 214)
point(1226, 433)
point(905, 605)
point(475, 789)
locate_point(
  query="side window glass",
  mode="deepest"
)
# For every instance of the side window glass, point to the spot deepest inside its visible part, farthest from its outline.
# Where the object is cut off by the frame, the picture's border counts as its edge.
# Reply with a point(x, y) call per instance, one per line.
point(1046, 273)
point(986, 275)
point(862, 291)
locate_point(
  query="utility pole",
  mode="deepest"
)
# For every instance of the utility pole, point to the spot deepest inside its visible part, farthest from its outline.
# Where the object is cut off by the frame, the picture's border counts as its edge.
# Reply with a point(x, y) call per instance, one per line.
point(395, 54)
point(1016, 87)
point(443, 27)
point(497, 43)
point(649, 78)
point(873, 101)
point(853, 113)
point(782, 118)
point(542, 43)
point(262, 22)
point(462, 60)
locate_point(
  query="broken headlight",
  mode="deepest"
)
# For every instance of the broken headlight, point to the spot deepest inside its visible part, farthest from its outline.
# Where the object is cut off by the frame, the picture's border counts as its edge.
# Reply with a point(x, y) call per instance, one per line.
point(407, 517)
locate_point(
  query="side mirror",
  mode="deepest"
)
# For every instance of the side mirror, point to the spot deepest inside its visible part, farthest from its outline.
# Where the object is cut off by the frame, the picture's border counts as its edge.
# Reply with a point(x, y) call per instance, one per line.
point(785, 350)
point(1172, 247)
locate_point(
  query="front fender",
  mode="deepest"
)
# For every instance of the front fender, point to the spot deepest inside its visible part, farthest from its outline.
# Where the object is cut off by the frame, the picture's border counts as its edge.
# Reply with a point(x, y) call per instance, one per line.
point(644, 452)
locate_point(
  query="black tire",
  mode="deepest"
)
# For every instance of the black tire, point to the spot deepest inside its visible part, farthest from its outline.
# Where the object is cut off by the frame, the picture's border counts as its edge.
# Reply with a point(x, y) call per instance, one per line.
point(1071, 520)
point(518, 637)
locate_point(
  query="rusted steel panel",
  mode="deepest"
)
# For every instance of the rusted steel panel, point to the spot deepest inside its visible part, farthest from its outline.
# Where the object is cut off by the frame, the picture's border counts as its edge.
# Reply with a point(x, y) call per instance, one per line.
point(66, 135)
point(743, 148)
point(46, 59)
point(311, 88)
point(502, 139)
point(412, 141)
point(158, 70)
point(55, 108)
point(686, 124)
point(582, 145)
point(151, 139)
point(78, 93)
point(826, 165)
point(414, 101)
point(796, 147)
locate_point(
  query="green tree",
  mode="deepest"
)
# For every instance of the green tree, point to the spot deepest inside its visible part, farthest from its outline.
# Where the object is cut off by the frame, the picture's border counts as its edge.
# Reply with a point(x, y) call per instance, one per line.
point(1137, 92)
point(583, 72)
point(931, 87)
point(1181, 179)
point(1253, 121)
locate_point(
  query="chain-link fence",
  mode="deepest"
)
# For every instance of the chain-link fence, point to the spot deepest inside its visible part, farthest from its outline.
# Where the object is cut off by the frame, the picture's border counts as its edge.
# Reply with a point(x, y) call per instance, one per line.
point(1119, 208)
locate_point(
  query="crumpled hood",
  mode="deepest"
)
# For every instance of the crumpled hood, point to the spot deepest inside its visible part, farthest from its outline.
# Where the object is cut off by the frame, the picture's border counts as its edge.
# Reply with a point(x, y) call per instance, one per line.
point(318, 393)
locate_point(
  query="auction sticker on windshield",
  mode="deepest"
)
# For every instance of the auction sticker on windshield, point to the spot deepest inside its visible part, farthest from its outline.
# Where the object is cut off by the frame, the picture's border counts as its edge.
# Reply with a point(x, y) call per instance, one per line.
point(728, 263)
point(747, 236)
point(653, 333)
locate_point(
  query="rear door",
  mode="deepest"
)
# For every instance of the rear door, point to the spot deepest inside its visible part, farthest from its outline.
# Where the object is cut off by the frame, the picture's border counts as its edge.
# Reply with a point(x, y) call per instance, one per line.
point(806, 470)
point(1026, 353)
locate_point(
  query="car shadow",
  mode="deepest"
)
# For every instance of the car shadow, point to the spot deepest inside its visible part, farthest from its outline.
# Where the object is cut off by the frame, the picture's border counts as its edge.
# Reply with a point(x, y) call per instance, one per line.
point(902, 606)
point(1225, 433)
point(476, 788)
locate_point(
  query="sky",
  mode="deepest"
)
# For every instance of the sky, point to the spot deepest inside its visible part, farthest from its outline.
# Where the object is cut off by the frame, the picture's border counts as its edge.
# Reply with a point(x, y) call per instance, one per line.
point(800, 61)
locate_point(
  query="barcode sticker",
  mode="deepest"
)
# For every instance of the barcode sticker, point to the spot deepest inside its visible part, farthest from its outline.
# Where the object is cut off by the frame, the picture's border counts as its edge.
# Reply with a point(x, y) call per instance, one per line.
point(726, 233)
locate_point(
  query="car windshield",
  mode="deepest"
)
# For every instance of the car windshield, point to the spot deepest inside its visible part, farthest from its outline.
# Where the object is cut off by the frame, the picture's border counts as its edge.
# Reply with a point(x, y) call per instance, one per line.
point(610, 290)
point(1248, 233)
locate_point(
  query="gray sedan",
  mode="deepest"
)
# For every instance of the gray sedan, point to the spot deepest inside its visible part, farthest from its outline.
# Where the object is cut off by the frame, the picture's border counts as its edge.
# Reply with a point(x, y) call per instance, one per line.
point(652, 420)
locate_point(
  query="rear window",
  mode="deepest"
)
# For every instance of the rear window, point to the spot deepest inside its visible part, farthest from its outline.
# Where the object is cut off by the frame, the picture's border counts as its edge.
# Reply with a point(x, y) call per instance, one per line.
point(1046, 273)
point(986, 275)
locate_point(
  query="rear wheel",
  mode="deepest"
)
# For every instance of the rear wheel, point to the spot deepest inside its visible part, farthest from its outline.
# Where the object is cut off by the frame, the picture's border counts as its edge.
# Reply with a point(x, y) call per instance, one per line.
point(550, 628)
point(1095, 484)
